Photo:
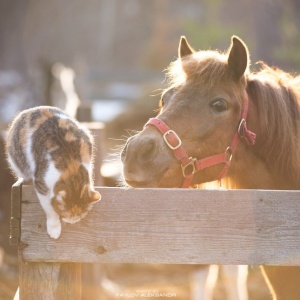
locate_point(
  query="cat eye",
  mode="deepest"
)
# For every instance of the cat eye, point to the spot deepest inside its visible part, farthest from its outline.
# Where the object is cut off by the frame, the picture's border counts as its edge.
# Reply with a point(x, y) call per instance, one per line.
point(219, 105)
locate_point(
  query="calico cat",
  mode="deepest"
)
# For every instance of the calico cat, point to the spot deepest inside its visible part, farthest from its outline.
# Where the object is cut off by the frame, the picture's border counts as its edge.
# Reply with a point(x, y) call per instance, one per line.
point(49, 148)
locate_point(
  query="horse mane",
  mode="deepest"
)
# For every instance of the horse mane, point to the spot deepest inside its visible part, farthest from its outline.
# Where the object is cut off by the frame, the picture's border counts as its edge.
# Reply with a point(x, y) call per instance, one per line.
point(276, 95)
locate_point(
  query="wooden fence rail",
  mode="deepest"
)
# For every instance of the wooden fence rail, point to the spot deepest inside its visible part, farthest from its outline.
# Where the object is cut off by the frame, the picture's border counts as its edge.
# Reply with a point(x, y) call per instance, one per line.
point(178, 226)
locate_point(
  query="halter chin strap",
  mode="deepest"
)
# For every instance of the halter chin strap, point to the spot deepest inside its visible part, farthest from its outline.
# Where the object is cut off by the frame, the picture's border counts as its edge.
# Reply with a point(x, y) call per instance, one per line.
point(190, 165)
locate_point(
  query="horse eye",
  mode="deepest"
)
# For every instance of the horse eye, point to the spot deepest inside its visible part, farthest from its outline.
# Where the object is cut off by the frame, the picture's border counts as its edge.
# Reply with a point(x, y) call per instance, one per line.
point(219, 105)
point(161, 102)
point(165, 97)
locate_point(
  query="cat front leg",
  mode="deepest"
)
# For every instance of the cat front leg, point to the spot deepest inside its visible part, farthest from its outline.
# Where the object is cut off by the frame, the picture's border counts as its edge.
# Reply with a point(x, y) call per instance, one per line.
point(53, 221)
point(54, 227)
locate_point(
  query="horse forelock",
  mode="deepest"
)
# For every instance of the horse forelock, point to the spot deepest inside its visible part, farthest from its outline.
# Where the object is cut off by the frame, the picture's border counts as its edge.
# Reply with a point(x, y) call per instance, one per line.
point(207, 68)
point(276, 94)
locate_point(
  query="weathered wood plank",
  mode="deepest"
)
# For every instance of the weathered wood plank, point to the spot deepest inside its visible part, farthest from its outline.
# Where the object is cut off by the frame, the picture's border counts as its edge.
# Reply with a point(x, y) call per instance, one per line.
point(172, 226)
point(15, 214)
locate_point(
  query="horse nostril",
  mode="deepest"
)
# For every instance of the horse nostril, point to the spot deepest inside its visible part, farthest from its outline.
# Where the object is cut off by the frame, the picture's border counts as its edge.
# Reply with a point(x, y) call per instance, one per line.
point(147, 150)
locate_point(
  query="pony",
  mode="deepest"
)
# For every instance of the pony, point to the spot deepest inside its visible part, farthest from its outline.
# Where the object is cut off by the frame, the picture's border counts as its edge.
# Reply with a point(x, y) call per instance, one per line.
point(220, 121)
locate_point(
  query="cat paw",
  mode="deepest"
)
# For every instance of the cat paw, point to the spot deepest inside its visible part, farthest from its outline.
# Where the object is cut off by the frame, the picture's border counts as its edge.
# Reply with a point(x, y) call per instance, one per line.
point(54, 229)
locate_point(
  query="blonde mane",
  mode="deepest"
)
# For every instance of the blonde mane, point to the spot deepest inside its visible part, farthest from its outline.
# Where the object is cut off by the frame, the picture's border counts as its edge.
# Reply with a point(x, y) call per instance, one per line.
point(276, 95)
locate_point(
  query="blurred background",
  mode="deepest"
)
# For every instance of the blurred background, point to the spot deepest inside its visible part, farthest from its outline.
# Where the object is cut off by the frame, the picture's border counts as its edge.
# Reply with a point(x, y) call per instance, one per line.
point(108, 57)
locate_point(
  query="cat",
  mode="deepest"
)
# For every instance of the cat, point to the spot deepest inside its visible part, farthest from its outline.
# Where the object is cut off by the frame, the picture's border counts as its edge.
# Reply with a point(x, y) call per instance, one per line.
point(51, 149)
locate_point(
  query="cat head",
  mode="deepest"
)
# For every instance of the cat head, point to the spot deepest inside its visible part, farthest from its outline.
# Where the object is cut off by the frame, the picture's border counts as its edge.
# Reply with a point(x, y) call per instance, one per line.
point(72, 205)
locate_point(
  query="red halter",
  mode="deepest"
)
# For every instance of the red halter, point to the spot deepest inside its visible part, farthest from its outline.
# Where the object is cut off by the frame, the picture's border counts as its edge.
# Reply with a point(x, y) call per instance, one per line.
point(190, 165)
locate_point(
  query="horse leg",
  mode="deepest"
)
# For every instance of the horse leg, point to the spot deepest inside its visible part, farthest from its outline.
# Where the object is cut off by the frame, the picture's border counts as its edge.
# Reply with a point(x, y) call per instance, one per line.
point(235, 278)
point(203, 282)
point(283, 282)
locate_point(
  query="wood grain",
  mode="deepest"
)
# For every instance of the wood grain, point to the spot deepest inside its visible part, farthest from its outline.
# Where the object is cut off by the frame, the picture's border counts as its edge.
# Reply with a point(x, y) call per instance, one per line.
point(176, 226)
point(49, 281)
point(15, 213)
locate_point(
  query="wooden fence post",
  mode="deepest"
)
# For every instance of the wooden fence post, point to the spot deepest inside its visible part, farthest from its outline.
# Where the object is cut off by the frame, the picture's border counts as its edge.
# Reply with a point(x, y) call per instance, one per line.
point(49, 281)
point(41, 280)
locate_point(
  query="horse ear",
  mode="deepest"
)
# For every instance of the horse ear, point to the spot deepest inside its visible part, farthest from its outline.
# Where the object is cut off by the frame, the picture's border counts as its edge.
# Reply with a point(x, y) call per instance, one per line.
point(238, 57)
point(184, 48)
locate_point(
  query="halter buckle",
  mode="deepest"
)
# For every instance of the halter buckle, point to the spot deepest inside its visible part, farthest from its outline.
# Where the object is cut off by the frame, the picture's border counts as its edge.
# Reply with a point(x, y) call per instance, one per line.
point(241, 129)
point(229, 154)
point(176, 136)
point(191, 164)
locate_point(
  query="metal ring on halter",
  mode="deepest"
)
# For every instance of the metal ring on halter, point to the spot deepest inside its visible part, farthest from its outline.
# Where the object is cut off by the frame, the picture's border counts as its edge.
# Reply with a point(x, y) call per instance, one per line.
point(240, 128)
point(228, 151)
point(190, 163)
point(168, 143)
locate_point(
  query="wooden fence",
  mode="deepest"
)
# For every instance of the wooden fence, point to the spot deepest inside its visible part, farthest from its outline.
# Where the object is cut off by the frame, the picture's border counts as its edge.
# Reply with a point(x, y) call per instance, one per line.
point(178, 226)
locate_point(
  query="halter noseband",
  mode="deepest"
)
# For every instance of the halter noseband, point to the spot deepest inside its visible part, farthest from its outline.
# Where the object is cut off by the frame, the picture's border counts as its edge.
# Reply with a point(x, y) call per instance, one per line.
point(190, 165)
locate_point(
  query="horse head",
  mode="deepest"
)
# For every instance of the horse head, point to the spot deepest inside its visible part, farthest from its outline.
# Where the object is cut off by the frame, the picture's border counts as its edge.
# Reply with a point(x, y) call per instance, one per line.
point(202, 113)
point(202, 105)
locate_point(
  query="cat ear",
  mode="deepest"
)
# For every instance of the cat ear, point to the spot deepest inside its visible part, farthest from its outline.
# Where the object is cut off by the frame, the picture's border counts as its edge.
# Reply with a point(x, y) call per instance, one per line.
point(184, 48)
point(95, 196)
point(61, 195)
point(238, 57)
point(84, 190)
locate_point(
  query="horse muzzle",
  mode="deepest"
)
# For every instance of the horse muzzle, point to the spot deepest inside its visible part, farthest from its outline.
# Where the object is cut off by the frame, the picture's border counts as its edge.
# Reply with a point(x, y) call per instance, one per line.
point(145, 159)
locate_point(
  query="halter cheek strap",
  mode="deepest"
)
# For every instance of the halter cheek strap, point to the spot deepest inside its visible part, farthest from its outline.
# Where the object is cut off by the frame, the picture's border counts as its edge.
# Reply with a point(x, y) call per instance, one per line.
point(190, 165)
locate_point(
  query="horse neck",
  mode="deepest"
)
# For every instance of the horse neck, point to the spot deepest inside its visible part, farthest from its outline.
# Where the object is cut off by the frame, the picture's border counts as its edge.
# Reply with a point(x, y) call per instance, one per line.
point(274, 161)
point(250, 171)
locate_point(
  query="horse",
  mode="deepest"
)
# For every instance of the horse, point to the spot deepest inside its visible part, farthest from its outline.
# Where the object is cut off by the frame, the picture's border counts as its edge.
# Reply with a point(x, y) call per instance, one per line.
point(220, 121)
